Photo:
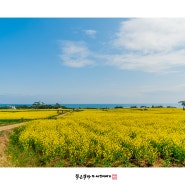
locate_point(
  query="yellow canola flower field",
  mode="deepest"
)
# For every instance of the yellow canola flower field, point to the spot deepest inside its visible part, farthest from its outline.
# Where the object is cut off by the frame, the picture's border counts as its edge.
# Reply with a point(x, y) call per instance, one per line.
point(26, 114)
point(112, 137)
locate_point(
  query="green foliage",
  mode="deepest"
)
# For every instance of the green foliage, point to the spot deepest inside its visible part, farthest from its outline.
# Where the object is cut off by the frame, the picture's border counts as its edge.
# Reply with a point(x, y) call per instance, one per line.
point(118, 107)
point(14, 137)
point(183, 104)
point(42, 105)
point(4, 122)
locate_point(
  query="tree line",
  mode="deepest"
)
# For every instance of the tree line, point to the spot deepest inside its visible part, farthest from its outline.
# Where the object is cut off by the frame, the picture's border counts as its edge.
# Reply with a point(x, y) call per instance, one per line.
point(37, 105)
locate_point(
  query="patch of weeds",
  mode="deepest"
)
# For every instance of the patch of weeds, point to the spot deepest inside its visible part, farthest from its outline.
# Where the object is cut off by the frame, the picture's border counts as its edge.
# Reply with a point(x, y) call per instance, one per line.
point(132, 135)
point(21, 158)
point(166, 163)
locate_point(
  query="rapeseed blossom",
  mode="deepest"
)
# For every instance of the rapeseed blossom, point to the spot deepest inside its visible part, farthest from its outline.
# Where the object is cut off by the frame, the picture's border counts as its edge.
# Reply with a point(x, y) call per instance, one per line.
point(116, 137)
point(26, 114)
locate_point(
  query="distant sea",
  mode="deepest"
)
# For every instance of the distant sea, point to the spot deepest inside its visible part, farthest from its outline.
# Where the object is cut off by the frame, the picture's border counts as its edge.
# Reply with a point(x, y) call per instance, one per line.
point(104, 105)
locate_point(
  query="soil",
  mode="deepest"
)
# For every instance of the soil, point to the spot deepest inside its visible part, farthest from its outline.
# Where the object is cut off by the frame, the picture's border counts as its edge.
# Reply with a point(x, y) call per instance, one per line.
point(8, 127)
point(4, 162)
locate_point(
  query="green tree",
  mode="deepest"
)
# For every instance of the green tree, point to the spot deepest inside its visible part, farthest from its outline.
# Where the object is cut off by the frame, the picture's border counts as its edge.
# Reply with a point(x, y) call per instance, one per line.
point(57, 106)
point(183, 104)
point(36, 104)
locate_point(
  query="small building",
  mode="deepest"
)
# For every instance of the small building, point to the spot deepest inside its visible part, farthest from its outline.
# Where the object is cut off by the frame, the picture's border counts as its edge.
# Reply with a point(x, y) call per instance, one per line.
point(11, 107)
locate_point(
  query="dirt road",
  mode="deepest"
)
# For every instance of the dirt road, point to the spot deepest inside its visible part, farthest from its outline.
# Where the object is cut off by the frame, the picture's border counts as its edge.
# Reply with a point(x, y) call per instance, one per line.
point(4, 161)
point(60, 115)
point(8, 127)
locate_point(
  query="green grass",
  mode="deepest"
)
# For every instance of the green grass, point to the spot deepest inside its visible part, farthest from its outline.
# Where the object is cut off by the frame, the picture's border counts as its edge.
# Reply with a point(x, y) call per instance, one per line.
point(17, 156)
point(22, 159)
point(4, 122)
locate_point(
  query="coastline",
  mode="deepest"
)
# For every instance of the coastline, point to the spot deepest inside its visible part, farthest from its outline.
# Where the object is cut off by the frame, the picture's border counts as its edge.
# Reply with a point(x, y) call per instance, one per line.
point(137, 105)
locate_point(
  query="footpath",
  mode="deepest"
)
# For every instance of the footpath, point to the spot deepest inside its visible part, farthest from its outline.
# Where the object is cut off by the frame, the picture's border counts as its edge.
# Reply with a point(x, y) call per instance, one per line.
point(8, 127)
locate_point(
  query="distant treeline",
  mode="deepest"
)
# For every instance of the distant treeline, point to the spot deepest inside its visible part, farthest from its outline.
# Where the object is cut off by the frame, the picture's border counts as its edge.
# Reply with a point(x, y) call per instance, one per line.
point(42, 105)
point(35, 105)
point(145, 107)
point(134, 106)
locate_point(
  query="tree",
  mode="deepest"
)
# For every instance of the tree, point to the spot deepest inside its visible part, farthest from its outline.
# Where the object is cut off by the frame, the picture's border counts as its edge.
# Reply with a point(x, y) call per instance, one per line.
point(57, 105)
point(36, 105)
point(183, 104)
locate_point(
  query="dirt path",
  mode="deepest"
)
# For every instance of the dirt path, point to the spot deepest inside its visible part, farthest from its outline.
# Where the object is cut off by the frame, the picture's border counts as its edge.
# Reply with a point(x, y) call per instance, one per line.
point(8, 127)
point(4, 162)
point(4, 140)
point(61, 115)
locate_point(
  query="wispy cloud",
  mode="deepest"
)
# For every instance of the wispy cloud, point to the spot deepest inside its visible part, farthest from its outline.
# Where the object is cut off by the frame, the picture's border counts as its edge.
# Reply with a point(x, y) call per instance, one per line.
point(158, 62)
point(75, 54)
point(143, 44)
point(151, 45)
point(151, 35)
point(90, 33)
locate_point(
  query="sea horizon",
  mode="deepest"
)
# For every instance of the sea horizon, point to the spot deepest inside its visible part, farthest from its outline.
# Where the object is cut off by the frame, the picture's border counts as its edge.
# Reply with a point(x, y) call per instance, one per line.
point(101, 105)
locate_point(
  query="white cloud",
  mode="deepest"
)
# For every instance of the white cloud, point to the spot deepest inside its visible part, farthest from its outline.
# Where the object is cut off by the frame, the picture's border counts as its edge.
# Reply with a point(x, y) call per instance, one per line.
point(90, 33)
point(75, 54)
point(151, 35)
point(158, 62)
point(151, 45)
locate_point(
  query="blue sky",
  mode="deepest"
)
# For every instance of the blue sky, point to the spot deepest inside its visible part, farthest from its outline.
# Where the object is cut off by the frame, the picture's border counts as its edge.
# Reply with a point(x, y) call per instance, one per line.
point(92, 60)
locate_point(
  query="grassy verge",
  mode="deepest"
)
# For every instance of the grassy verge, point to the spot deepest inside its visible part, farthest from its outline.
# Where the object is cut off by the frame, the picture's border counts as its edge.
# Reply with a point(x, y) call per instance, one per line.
point(29, 158)
point(4, 122)
point(22, 159)
point(17, 156)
